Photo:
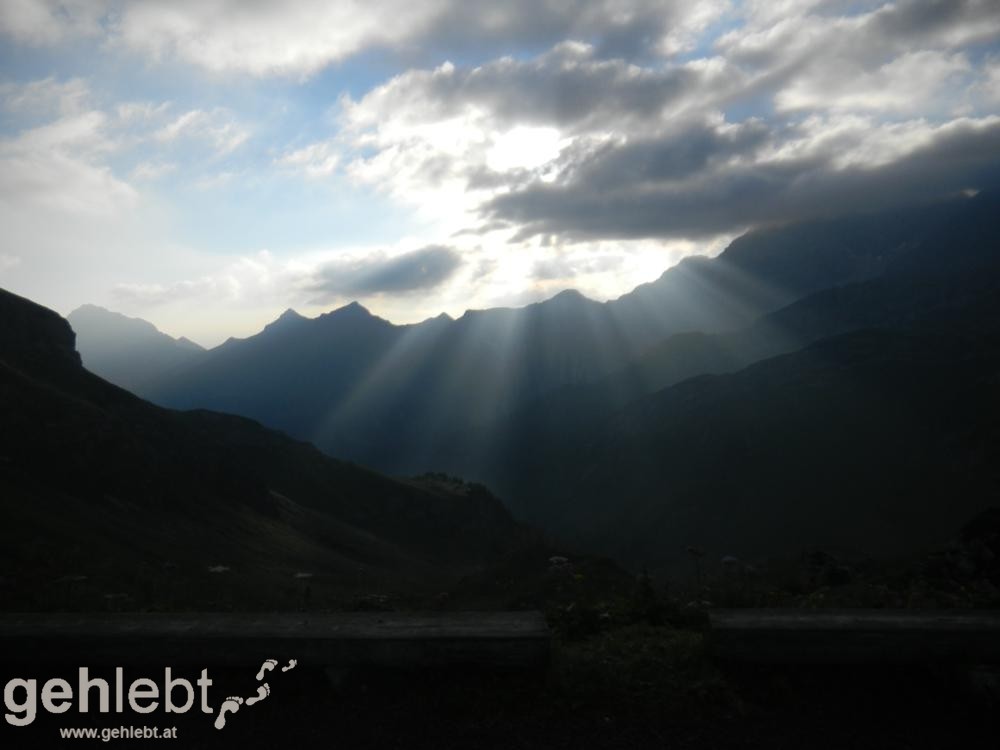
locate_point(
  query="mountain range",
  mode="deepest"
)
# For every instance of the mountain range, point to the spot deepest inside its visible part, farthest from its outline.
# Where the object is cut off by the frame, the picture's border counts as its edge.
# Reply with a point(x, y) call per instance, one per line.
point(384, 395)
point(820, 384)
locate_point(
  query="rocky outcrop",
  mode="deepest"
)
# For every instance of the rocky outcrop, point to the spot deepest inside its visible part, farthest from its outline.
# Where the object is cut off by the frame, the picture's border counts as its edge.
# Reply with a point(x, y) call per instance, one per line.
point(34, 338)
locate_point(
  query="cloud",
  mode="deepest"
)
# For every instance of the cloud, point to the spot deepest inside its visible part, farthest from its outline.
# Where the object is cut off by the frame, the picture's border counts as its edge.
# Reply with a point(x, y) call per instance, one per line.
point(72, 158)
point(300, 38)
point(46, 22)
point(909, 56)
point(813, 34)
point(152, 170)
point(69, 218)
point(910, 83)
point(418, 270)
point(986, 90)
point(46, 97)
point(314, 160)
point(158, 294)
point(255, 277)
point(790, 114)
point(568, 87)
point(217, 127)
point(60, 166)
point(629, 29)
point(681, 152)
point(562, 268)
point(948, 23)
point(140, 111)
point(263, 38)
point(780, 186)
point(446, 141)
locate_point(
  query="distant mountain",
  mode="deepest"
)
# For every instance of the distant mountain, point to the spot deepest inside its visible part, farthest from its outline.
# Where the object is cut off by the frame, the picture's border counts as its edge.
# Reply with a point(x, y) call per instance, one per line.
point(361, 387)
point(767, 269)
point(109, 501)
point(405, 399)
point(880, 438)
point(128, 352)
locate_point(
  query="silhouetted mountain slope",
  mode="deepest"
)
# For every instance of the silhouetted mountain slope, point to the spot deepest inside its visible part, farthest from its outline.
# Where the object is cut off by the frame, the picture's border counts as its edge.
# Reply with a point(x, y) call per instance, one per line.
point(873, 443)
point(102, 487)
point(289, 374)
point(769, 268)
point(359, 386)
point(409, 398)
point(876, 270)
point(879, 438)
point(942, 275)
point(128, 352)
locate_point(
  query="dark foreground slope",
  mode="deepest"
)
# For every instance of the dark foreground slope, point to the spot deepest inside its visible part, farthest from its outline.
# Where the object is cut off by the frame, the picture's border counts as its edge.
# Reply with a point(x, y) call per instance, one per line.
point(109, 501)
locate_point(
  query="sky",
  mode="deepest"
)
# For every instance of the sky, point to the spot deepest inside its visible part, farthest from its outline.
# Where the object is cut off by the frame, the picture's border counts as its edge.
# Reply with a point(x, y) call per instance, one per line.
point(206, 165)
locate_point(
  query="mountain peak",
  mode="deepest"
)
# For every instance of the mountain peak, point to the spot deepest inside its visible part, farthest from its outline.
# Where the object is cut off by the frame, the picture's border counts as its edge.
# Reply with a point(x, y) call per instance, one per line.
point(88, 320)
point(188, 343)
point(88, 308)
point(570, 294)
point(438, 322)
point(567, 297)
point(353, 309)
point(290, 314)
point(288, 318)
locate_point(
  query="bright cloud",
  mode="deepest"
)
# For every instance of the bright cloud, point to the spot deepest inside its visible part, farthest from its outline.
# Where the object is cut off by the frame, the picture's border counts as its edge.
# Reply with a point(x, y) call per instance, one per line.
point(59, 165)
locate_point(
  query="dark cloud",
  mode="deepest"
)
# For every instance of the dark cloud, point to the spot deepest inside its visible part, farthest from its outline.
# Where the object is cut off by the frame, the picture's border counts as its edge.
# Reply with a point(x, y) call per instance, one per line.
point(937, 21)
point(411, 272)
point(666, 158)
point(567, 87)
point(603, 203)
point(623, 30)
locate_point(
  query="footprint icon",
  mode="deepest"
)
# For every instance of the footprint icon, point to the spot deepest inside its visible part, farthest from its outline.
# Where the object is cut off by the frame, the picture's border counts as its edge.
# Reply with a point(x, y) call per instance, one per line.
point(229, 706)
point(262, 692)
point(266, 667)
point(291, 665)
